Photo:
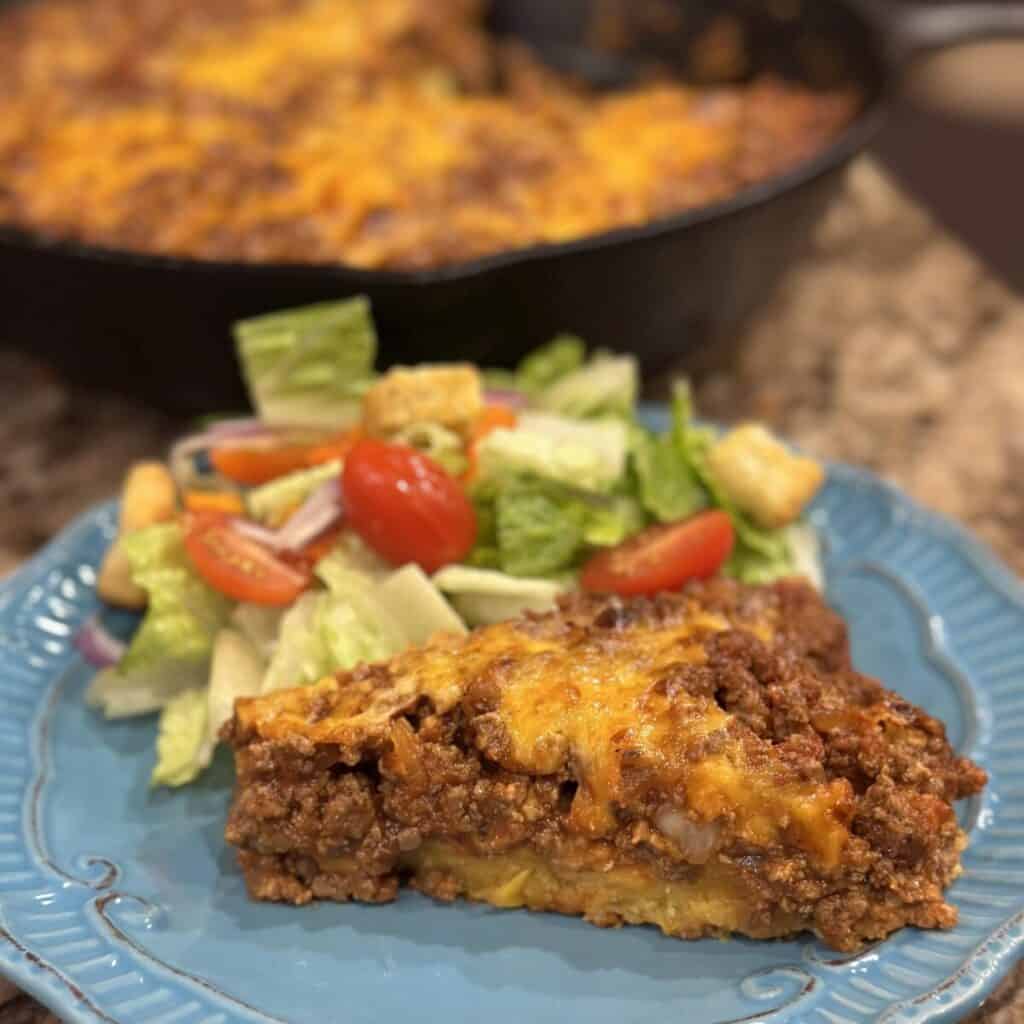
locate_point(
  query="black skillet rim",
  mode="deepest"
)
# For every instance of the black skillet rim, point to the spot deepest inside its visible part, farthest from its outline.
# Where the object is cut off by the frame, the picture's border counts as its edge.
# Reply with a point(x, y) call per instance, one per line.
point(843, 149)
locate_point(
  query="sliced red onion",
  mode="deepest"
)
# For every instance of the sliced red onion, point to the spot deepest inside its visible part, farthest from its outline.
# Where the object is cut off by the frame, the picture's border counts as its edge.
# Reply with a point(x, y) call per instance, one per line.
point(99, 648)
point(247, 433)
point(261, 534)
point(318, 512)
point(321, 510)
point(194, 443)
point(506, 396)
point(244, 434)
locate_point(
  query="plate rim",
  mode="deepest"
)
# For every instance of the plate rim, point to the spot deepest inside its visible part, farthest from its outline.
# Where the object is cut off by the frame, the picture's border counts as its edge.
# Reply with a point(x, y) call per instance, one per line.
point(34, 974)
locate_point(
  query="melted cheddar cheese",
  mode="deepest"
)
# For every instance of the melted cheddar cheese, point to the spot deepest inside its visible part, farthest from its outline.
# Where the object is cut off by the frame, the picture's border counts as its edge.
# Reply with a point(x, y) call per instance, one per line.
point(374, 133)
point(603, 706)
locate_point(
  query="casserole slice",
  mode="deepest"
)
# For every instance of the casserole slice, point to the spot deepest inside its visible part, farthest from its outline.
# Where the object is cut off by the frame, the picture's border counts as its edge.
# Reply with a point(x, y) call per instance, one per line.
point(707, 762)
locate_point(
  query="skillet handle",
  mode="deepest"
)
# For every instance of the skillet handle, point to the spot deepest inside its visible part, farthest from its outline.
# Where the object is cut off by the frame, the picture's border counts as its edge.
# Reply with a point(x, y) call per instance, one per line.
point(919, 28)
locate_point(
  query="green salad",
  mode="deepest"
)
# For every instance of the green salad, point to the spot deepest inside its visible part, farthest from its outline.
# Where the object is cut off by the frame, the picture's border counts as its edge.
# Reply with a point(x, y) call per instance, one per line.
point(358, 513)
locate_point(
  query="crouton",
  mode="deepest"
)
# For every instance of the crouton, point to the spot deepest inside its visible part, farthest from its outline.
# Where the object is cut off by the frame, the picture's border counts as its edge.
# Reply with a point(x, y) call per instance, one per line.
point(449, 395)
point(763, 477)
point(148, 496)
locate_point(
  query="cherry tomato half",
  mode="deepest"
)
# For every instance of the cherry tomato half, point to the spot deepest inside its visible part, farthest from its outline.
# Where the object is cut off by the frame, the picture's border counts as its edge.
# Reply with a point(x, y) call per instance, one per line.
point(260, 464)
point(405, 506)
point(662, 557)
point(336, 447)
point(238, 566)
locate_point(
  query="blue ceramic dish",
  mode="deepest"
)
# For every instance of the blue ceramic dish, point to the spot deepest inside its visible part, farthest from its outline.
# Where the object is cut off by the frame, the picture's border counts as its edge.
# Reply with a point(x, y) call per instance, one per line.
point(122, 904)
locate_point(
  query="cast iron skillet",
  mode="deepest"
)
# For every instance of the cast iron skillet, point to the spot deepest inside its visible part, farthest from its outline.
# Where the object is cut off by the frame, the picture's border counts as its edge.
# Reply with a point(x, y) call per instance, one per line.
point(158, 327)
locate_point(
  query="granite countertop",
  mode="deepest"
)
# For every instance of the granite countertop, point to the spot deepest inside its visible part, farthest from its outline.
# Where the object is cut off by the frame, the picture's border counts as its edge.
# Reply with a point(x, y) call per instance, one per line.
point(890, 346)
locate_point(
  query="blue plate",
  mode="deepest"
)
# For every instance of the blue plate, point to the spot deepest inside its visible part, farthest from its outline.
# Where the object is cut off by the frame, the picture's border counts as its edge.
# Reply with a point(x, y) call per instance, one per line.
point(122, 904)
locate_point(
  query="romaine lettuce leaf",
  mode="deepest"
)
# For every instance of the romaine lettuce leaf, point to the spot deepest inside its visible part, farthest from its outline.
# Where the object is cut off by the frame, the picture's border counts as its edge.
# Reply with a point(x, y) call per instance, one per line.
point(550, 363)
point(609, 520)
point(184, 614)
point(485, 553)
point(607, 385)
point(760, 555)
point(537, 533)
point(667, 486)
point(534, 527)
point(309, 366)
point(323, 633)
point(750, 565)
point(361, 617)
point(559, 378)
point(182, 750)
point(259, 624)
point(588, 455)
point(120, 694)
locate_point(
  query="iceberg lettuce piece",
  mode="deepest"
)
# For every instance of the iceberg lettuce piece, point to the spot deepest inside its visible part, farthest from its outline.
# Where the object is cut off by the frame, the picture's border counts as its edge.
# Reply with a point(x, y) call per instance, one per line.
point(410, 597)
point(128, 694)
point(326, 631)
point(484, 596)
point(549, 364)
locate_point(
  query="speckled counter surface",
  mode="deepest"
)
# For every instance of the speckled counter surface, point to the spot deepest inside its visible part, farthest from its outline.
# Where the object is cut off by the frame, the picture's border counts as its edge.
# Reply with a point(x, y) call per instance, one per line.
point(890, 347)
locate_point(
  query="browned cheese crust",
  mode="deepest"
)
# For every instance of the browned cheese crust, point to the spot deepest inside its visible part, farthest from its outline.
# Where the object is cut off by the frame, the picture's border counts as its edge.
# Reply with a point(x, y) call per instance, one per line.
point(708, 762)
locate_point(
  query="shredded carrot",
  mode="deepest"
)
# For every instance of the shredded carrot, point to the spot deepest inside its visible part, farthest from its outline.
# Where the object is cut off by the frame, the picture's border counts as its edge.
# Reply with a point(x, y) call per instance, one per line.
point(491, 418)
point(214, 501)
